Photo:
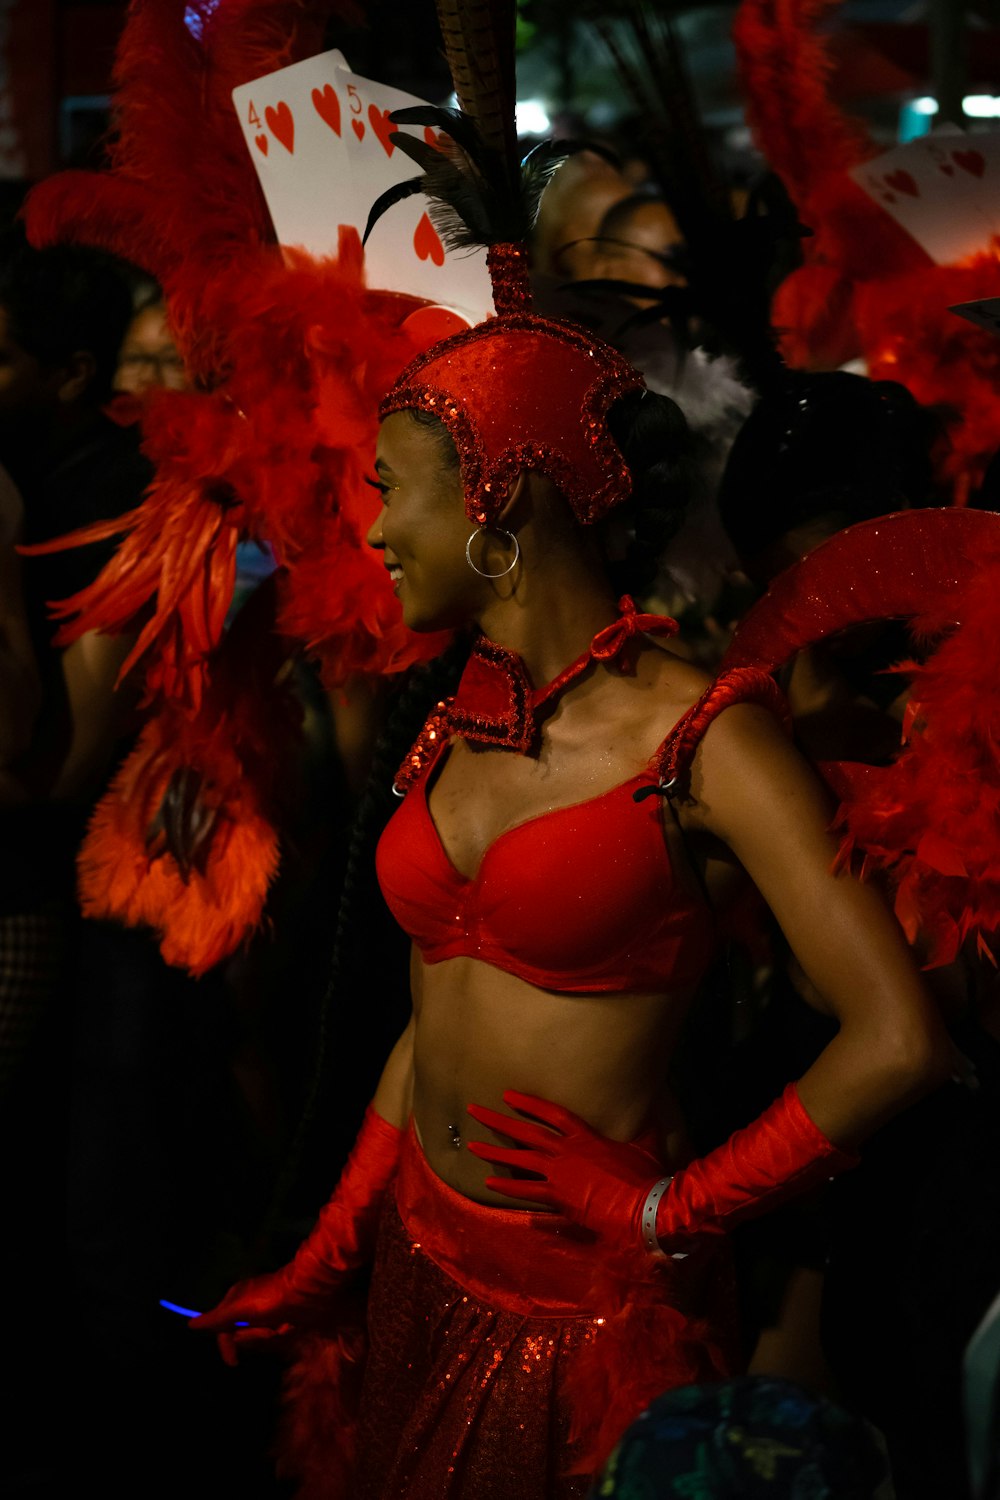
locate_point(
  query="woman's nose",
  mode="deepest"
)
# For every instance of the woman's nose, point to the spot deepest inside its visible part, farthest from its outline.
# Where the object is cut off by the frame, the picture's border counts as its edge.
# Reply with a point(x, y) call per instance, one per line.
point(374, 537)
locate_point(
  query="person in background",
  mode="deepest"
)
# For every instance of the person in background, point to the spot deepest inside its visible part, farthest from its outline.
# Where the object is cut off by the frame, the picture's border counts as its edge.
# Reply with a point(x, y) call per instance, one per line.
point(63, 313)
point(149, 358)
point(570, 214)
point(639, 241)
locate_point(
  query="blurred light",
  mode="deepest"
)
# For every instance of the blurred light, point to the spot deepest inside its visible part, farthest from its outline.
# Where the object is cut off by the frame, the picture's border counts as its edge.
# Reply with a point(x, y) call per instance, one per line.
point(981, 106)
point(197, 14)
point(531, 117)
point(916, 117)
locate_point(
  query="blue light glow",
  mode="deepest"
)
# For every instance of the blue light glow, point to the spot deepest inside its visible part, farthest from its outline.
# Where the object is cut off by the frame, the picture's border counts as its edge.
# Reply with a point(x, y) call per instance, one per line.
point(190, 1312)
point(197, 14)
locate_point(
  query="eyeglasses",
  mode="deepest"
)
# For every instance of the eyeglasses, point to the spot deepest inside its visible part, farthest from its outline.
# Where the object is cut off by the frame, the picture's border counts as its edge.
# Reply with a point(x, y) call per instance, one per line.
point(671, 260)
point(168, 361)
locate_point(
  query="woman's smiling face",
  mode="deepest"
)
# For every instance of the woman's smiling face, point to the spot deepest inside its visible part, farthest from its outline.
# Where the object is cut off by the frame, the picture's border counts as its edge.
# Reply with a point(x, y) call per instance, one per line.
point(423, 528)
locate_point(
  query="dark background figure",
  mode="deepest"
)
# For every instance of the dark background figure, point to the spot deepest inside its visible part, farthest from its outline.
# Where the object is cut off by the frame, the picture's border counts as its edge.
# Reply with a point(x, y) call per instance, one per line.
point(149, 358)
point(909, 1247)
point(62, 315)
point(819, 453)
point(121, 1120)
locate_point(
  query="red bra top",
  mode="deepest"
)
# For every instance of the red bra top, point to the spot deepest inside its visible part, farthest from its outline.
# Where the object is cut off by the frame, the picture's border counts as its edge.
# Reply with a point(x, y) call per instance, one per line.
point(582, 899)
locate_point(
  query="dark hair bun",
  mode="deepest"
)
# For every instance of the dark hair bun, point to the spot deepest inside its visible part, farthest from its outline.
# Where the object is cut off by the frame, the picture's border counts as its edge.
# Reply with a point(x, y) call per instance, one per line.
point(657, 446)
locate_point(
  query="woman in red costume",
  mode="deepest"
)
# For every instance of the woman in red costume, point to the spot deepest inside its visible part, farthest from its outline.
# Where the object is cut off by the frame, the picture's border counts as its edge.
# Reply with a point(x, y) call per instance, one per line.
point(547, 1256)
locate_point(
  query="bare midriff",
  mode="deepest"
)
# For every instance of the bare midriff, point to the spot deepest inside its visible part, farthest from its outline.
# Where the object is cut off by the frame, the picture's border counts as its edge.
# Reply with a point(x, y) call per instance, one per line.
point(479, 1031)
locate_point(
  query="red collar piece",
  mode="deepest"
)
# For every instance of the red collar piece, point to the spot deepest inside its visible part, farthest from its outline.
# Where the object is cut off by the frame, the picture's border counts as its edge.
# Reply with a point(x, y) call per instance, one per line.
point(496, 705)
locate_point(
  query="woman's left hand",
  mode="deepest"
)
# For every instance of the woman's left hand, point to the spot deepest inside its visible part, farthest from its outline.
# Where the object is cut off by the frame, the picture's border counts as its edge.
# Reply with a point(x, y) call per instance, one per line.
point(599, 1183)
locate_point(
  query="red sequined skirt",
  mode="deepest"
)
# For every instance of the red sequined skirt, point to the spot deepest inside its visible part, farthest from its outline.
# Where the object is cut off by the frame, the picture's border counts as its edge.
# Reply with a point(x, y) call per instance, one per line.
point(506, 1356)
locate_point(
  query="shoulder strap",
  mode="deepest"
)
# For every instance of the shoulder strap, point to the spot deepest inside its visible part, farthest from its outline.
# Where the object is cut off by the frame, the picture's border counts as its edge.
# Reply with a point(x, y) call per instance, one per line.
point(737, 685)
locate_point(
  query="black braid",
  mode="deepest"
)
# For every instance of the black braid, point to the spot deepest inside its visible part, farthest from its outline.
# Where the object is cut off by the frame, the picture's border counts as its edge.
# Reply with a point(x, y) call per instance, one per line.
point(367, 999)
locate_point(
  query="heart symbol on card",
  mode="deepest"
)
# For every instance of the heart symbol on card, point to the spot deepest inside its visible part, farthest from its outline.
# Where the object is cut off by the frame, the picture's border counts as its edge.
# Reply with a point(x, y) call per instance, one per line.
point(326, 103)
point(262, 143)
point(427, 243)
point(281, 124)
point(973, 162)
point(433, 138)
point(383, 127)
point(902, 182)
point(359, 129)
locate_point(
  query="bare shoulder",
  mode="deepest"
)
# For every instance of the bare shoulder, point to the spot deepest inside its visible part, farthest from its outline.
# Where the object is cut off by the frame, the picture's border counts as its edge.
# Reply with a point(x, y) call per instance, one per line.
point(746, 762)
point(670, 684)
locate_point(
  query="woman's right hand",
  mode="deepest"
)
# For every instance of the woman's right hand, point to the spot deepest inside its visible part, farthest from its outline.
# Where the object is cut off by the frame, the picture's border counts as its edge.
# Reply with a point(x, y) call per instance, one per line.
point(264, 1308)
point(267, 1311)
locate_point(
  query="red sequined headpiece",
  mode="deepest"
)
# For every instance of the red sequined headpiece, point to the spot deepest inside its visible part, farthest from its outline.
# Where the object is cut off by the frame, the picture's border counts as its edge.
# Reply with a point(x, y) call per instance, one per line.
point(524, 392)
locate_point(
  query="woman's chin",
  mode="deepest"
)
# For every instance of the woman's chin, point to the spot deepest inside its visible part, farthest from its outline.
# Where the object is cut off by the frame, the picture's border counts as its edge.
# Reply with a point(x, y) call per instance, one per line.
point(426, 619)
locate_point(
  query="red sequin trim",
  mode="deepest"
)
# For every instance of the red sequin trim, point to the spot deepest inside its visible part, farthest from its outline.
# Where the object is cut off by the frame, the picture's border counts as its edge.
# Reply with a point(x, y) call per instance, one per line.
point(740, 685)
point(507, 264)
point(435, 732)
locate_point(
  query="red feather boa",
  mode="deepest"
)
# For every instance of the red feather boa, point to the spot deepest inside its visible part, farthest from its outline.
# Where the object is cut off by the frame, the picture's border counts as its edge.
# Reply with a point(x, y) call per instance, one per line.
point(932, 819)
point(236, 751)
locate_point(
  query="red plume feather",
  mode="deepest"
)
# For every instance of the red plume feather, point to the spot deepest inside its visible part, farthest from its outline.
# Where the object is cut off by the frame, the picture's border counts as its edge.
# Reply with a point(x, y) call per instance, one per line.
point(289, 356)
point(931, 820)
point(866, 289)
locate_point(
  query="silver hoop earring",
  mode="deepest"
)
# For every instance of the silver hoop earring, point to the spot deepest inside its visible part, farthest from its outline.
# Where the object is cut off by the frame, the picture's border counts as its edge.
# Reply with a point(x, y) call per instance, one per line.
point(500, 531)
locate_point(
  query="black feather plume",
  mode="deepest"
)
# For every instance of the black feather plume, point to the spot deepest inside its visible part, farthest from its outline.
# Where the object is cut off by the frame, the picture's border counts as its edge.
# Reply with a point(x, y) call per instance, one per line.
point(477, 197)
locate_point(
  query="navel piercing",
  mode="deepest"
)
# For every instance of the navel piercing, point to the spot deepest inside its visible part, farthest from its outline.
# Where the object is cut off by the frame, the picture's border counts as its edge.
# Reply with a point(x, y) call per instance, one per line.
point(456, 1136)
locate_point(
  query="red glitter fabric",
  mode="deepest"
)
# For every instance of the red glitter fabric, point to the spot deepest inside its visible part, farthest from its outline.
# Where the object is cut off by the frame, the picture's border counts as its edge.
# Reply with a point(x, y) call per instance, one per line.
point(524, 392)
point(507, 1357)
point(583, 900)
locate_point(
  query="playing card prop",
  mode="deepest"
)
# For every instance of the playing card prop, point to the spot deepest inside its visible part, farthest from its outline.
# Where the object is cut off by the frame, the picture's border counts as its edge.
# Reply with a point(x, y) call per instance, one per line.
point(985, 314)
point(943, 189)
point(319, 137)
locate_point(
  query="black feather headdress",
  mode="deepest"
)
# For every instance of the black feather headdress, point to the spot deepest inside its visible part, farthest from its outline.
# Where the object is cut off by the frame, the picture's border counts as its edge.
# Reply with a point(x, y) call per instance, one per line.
point(478, 196)
point(479, 192)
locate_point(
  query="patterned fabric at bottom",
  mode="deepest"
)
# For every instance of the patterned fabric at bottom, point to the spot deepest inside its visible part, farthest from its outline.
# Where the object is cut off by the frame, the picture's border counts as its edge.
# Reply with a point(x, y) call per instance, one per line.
point(506, 1356)
point(756, 1438)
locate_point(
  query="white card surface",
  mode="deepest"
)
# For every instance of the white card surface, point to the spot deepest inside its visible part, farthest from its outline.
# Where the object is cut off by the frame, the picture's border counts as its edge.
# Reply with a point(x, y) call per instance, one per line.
point(318, 135)
point(943, 189)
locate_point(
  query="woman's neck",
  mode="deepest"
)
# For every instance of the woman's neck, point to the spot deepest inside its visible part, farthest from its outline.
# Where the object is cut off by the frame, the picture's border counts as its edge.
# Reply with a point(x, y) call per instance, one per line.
point(550, 621)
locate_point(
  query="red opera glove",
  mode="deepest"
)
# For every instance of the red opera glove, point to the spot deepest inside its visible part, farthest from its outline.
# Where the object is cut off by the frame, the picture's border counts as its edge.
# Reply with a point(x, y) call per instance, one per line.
point(613, 1187)
point(305, 1293)
point(596, 1182)
point(776, 1156)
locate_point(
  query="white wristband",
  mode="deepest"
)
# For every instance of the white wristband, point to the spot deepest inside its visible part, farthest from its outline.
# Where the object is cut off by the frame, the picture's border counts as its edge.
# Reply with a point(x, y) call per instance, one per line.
point(648, 1218)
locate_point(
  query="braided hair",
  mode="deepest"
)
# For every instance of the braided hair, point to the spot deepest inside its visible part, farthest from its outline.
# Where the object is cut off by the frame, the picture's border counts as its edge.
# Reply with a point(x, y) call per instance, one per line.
point(367, 1001)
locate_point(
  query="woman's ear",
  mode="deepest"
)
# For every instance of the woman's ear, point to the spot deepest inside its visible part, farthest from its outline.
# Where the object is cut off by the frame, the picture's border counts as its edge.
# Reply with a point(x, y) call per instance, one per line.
point(515, 491)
